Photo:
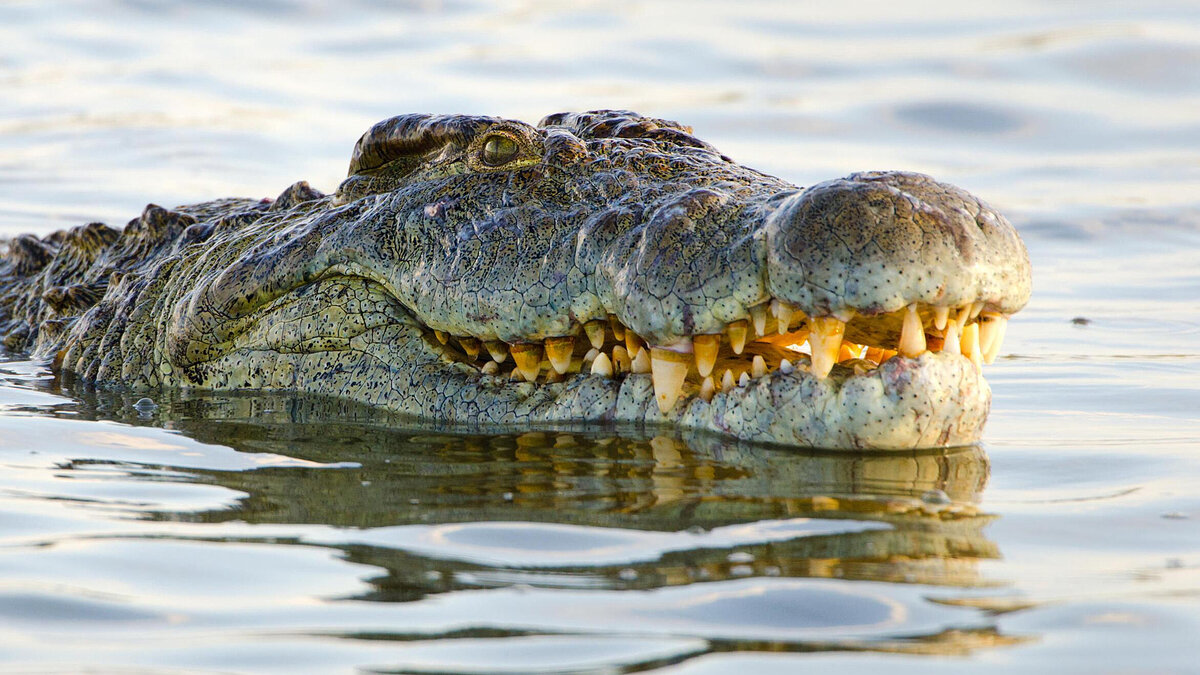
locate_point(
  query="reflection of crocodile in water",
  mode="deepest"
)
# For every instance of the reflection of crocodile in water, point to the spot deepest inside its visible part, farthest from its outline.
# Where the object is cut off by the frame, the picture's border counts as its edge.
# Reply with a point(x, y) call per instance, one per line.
point(599, 267)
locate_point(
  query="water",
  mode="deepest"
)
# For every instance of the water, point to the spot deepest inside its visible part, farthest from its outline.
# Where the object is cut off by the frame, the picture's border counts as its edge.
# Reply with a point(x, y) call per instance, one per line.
point(269, 534)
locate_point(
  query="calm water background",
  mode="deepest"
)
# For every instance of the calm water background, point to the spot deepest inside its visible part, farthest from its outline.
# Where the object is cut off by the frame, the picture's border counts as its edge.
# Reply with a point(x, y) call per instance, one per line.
point(268, 534)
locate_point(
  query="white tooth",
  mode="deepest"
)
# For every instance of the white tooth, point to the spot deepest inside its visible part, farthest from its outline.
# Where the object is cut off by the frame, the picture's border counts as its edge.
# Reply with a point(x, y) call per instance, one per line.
point(620, 359)
point(783, 314)
point(727, 380)
point(559, 351)
point(640, 363)
point(707, 389)
point(591, 355)
point(976, 308)
point(970, 344)
point(602, 366)
point(826, 342)
point(669, 369)
point(993, 350)
point(912, 334)
point(497, 349)
point(595, 333)
point(490, 368)
point(758, 315)
point(744, 380)
point(759, 367)
point(528, 357)
point(706, 348)
point(737, 335)
point(786, 366)
point(940, 316)
point(950, 341)
point(989, 324)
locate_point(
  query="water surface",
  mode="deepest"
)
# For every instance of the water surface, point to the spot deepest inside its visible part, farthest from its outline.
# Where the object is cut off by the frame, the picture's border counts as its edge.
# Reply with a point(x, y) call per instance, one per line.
point(252, 533)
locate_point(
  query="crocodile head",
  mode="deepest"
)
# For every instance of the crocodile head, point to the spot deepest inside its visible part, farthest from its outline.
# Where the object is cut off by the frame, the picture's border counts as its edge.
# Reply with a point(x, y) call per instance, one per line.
point(603, 266)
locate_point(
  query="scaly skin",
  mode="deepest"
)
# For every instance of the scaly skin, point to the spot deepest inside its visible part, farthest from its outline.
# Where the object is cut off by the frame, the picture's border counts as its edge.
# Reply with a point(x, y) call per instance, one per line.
point(478, 227)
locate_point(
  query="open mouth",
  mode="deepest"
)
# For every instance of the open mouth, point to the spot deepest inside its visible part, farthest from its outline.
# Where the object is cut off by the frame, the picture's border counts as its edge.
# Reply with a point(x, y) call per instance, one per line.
point(775, 337)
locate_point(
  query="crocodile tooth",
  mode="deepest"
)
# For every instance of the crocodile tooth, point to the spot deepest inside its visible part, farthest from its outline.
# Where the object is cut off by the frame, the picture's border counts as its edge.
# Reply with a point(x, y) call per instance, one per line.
point(602, 366)
point(989, 323)
point(669, 370)
point(727, 380)
point(737, 335)
point(783, 314)
point(559, 351)
point(528, 357)
point(490, 368)
point(759, 367)
point(785, 366)
point(640, 363)
point(708, 389)
point(940, 316)
point(618, 328)
point(620, 359)
point(516, 375)
point(758, 314)
point(950, 341)
point(970, 344)
point(633, 343)
point(591, 355)
point(470, 347)
point(595, 333)
point(826, 342)
point(497, 349)
point(879, 354)
point(441, 336)
point(744, 379)
point(993, 350)
point(912, 334)
point(976, 308)
point(706, 348)
point(553, 376)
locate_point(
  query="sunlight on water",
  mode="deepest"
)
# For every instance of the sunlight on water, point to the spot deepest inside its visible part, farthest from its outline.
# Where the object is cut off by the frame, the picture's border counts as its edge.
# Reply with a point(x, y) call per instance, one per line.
point(259, 533)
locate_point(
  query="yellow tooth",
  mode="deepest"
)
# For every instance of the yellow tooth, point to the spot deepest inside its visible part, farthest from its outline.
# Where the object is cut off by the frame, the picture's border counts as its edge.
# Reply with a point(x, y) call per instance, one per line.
point(989, 323)
point(993, 350)
point(640, 363)
point(602, 366)
point(708, 389)
point(970, 344)
point(826, 341)
point(912, 334)
point(706, 348)
point(620, 360)
point(497, 349)
point(669, 371)
point(553, 376)
point(490, 368)
point(516, 375)
point(528, 357)
point(727, 380)
point(737, 335)
point(559, 351)
point(470, 347)
point(940, 316)
point(633, 343)
point(846, 352)
point(758, 315)
point(595, 333)
point(441, 336)
point(950, 341)
point(618, 329)
point(759, 367)
point(783, 314)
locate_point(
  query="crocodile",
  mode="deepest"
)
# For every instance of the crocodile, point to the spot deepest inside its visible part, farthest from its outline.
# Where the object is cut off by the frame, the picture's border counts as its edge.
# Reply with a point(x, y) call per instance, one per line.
point(599, 267)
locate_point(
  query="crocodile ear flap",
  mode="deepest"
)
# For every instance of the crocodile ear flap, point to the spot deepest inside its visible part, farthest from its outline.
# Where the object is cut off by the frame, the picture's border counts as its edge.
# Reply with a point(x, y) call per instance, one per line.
point(404, 142)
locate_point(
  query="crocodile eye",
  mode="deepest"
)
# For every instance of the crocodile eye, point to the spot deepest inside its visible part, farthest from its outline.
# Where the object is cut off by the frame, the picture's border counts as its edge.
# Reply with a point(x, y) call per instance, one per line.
point(498, 150)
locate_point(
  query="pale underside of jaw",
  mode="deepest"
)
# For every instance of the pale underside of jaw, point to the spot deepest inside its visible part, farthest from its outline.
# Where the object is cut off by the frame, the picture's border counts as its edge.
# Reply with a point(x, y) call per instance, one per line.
point(775, 337)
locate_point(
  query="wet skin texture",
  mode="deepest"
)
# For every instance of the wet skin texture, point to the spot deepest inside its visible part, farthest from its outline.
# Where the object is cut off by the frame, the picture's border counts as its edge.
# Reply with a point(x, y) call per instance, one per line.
point(453, 232)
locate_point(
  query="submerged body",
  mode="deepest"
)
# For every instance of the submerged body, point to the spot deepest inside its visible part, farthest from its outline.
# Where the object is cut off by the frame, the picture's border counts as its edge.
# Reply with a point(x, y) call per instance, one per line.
point(598, 267)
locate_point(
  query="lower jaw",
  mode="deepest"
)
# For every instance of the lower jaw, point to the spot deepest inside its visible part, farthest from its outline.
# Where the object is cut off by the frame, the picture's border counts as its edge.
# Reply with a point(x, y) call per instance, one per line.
point(932, 401)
